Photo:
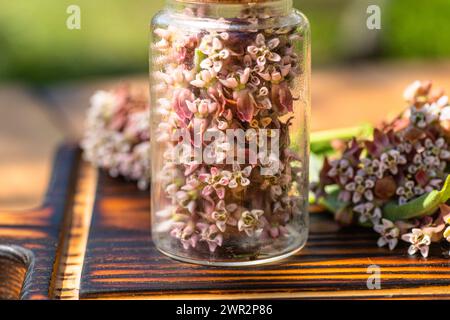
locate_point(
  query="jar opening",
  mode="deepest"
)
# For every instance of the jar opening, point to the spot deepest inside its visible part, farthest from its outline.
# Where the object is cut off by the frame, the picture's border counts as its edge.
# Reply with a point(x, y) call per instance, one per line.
point(226, 1)
point(230, 8)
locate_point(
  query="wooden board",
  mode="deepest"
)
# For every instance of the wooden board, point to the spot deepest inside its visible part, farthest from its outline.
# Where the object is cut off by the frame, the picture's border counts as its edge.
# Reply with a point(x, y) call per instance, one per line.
point(57, 252)
point(118, 258)
point(122, 262)
point(30, 240)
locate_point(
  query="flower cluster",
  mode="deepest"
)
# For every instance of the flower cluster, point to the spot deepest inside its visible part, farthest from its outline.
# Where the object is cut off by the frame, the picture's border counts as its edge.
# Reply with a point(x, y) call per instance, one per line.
point(387, 182)
point(220, 80)
point(117, 136)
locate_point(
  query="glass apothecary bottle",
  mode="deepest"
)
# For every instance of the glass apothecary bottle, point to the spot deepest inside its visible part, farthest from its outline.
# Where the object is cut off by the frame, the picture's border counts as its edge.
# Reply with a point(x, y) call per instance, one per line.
point(230, 88)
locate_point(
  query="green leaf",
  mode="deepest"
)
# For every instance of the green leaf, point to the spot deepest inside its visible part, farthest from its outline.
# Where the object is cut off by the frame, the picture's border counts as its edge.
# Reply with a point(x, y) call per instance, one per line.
point(422, 206)
point(331, 200)
point(198, 58)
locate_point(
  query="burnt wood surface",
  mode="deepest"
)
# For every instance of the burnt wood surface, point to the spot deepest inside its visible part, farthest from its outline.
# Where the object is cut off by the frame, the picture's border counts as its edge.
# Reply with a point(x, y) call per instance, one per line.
point(29, 240)
point(119, 260)
point(122, 262)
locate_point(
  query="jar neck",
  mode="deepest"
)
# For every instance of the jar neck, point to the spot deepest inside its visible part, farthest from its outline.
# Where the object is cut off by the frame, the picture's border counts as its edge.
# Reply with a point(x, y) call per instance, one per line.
point(209, 9)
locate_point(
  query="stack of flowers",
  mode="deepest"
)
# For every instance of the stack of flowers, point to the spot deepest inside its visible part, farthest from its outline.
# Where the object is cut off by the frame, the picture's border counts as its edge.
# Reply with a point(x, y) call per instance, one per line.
point(397, 183)
point(219, 81)
point(117, 136)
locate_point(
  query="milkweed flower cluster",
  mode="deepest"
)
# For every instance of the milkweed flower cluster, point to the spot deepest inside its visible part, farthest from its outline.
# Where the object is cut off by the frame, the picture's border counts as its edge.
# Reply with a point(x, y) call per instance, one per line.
point(117, 134)
point(208, 83)
point(387, 182)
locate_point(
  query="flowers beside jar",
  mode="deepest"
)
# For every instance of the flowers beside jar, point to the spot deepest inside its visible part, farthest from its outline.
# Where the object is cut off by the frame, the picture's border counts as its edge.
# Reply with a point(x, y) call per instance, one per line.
point(117, 133)
point(397, 182)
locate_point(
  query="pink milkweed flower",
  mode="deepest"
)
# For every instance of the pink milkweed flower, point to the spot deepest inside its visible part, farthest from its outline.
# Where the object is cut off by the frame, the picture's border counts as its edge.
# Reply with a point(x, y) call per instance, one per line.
point(245, 104)
point(181, 96)
point(424, 116)
point(178, 76)
point(389, 234)
point(186, 234)
point(211, 44)
point(407, 191)
point(201, 107)
point(282, 98)
point(368, 212)
point(211, 235)
point(361, 187)
point(216, 181)
point(447, 234)
point(240, 177)
point(372, 167)
point(251, 222)
point(273, 74)
point(419, 240)
point(417, 92)
point(222, 215)
point(438, 149)
point(341, 170)
point(391, 160)
point(276, 231)
point(186, 200)
point(237, 80)
point(263, 51)
point(204, 79)
point(270, 163)
point(216, 60)
point(215, 51)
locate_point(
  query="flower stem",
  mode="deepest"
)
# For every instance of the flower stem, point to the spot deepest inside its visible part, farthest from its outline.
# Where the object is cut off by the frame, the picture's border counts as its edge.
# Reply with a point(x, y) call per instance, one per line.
point(321, 140)
point(422, 206)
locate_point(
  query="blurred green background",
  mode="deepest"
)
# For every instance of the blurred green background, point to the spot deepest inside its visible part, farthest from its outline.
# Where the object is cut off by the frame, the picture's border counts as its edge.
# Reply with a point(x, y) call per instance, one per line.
point(36, 46)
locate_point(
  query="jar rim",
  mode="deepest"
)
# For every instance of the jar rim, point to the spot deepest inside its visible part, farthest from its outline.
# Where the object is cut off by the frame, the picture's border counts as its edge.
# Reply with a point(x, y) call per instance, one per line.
point(226, 1)
point(229, 8)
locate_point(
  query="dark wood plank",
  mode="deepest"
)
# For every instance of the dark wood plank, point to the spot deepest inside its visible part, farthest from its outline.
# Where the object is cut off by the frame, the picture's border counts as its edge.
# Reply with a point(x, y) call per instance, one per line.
point(122, 262)
point(30, 240)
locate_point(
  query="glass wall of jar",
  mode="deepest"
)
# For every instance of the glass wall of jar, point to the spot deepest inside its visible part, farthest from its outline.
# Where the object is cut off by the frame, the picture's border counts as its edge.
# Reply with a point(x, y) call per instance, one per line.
point(230, 88)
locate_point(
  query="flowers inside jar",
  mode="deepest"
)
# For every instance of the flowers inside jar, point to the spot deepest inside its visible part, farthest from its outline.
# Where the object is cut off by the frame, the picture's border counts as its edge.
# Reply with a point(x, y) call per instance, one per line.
point(227, 187)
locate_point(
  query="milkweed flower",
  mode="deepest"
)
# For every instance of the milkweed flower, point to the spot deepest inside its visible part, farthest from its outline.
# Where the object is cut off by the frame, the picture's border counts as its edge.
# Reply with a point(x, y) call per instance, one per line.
point(389, 233)
point(420, 242)
point(396, 173)
point(117, 135)
point(251, 222)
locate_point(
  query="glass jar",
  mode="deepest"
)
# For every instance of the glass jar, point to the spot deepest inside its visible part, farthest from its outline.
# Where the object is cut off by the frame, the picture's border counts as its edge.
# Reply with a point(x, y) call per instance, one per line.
point(230, 88)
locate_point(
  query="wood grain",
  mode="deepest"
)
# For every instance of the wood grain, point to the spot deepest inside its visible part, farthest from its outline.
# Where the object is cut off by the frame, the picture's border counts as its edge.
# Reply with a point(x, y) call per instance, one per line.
point(16, 264)
point(122, 262)
point(119, 260)
point(67, 277)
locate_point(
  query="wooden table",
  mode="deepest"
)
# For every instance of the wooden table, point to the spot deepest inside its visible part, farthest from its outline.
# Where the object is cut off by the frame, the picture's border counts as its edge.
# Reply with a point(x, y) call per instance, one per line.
point(91, 239)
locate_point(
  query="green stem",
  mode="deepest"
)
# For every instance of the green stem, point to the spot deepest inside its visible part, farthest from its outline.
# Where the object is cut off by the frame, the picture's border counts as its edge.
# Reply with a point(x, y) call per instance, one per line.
point(321, 140)
point(420, 207)
point(364, 130)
